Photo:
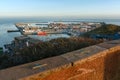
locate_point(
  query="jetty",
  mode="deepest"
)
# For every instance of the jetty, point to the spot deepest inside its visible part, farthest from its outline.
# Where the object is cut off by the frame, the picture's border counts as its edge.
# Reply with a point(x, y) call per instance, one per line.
point(13, 31)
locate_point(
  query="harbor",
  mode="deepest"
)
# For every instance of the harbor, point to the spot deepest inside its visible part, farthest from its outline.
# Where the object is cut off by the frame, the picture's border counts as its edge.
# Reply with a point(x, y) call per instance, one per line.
point(34, 33)
point(70, 28)
point(6, 37)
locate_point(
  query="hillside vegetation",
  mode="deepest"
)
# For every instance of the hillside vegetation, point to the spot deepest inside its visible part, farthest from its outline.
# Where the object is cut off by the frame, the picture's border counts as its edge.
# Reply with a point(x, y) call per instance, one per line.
point(105, 29)
point(43, 50)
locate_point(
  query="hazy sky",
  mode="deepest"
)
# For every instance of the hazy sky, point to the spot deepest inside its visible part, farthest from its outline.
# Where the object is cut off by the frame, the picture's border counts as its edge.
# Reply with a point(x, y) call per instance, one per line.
point(80, 8)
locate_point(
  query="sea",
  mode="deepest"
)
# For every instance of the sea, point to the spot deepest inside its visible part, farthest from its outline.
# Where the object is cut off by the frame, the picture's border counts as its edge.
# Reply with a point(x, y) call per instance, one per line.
point(9, 24)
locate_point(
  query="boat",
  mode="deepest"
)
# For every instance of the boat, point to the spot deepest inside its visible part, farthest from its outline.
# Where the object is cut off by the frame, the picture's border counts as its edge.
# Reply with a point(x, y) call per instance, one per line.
point(41, 33)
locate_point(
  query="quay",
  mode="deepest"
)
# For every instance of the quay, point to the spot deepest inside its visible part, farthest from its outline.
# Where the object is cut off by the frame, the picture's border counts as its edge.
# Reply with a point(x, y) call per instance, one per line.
point(40, 33)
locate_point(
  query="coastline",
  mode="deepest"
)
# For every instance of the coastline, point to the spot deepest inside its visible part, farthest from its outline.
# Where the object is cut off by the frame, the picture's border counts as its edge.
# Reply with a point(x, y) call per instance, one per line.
point(8, 23)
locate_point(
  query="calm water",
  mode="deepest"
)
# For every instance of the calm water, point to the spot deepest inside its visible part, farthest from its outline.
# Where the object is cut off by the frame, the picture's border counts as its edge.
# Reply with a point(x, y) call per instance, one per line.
point(8, 24)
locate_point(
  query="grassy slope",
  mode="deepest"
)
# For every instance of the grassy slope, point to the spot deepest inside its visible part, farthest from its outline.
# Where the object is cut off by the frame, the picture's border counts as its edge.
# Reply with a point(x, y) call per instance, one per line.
point(104, 29)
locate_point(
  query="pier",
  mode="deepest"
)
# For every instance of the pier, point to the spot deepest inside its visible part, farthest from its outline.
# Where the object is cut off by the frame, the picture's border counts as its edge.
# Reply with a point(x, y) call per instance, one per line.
point(13, 31)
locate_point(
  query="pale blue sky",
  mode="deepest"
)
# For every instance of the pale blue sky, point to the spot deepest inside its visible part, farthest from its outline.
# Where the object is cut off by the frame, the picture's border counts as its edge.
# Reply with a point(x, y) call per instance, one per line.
point(74, 8)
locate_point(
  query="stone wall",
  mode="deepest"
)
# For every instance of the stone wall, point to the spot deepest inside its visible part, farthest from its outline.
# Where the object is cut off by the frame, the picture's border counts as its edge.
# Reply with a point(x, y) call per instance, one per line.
point(98, 62)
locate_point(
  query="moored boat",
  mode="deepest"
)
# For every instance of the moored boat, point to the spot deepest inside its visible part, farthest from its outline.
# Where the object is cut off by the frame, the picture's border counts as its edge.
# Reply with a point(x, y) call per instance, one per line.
point(41, 33)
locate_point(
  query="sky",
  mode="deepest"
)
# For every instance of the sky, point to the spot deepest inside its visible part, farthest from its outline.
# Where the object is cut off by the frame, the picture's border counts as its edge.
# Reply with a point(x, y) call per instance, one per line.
point(60, 8)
